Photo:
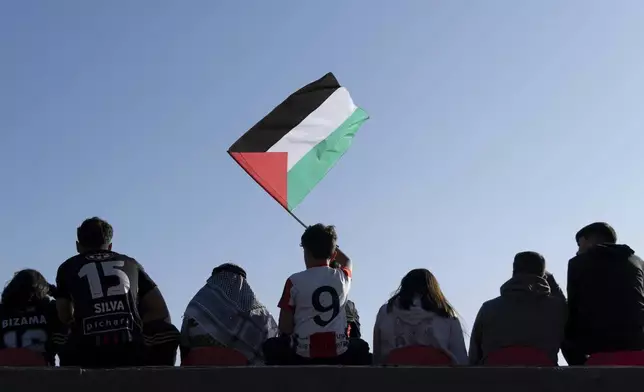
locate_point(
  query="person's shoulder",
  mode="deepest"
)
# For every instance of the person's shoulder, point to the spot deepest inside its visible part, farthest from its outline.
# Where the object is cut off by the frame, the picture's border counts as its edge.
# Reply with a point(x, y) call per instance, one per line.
point(129, 260)
point(453, 321)
point(299, 275)
point(70, 266)
point(47, 306)
point(383, 310)
point(556, 302)
point(491, 305)
point(123, 257)
point(635, 259)
point(71, 261)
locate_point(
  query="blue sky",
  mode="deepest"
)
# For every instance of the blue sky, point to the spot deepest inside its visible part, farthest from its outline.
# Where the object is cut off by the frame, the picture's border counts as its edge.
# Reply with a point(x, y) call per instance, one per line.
point(497, 126)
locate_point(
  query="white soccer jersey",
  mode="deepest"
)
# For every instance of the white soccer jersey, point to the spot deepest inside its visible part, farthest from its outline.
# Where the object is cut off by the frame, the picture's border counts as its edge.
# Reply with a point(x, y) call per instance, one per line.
point(317, 297)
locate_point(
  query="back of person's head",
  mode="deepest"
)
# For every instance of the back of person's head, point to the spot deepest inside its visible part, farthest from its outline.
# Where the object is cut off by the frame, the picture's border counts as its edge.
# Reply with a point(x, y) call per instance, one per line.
point(231, 268)
point(421, 284)
point(26, 286)
point(94, 234)
point(529, 263)
point(319, 242)
point(594, 234)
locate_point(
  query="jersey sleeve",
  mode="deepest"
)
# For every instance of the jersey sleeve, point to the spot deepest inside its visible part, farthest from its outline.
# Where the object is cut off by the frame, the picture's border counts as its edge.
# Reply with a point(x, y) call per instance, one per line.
point(346, 271)
point(288, 295)
point(62, 285)
point(146, 284)
point(57, 331)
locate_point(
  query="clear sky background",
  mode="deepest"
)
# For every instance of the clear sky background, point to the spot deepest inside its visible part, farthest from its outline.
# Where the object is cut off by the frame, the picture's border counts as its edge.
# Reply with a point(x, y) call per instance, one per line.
point(496, 126)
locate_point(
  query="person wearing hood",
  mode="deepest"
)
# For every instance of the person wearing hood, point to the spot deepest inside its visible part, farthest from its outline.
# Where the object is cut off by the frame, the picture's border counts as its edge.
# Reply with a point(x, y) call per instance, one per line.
point(605, 296)
point(226, 313)
point(526, 313)
point(418, 315)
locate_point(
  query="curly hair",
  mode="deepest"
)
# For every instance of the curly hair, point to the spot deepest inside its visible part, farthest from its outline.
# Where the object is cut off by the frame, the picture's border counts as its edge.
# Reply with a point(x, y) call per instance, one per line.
point(26, 286)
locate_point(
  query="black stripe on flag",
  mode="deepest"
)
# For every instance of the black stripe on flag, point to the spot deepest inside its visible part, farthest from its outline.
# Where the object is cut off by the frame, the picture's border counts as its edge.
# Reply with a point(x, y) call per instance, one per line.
point(286, 116)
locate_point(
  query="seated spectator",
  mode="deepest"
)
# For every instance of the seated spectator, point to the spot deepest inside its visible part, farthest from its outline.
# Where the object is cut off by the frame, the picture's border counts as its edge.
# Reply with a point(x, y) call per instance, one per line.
point(313, 321)
point(116, 313)
point(418, 315)
point(28, 316)
point(605, 296)
point(353, 320)
point(526, 313)
point(226, 313)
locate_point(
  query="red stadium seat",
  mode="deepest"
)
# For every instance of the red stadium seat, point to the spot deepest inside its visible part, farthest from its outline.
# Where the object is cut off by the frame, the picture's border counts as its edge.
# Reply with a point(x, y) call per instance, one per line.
point(21, 357)
point(518, 356)
point(418, 356)
point(214, 356)
point(617, 358)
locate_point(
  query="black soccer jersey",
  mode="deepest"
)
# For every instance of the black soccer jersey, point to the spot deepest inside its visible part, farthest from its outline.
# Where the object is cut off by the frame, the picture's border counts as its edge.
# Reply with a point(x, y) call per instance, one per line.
point(104, 288)
point(34, 326)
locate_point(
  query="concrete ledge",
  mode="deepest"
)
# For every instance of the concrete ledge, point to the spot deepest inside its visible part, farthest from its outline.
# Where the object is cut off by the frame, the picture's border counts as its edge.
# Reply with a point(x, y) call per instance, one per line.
point(323, 379)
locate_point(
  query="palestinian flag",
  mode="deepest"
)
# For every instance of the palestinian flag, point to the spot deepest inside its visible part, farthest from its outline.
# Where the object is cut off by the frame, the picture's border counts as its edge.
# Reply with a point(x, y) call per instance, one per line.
point(291, 149)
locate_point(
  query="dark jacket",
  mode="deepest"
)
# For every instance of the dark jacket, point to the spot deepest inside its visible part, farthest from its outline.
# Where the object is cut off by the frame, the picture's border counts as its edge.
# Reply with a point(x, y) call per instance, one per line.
point(526, 314)
point(605, 302)
point(353, 319)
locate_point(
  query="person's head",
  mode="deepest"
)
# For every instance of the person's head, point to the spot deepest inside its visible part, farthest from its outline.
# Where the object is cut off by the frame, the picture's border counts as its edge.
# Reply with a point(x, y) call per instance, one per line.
point(26, 285)
point(529, 263)
point(229, 267)
point(595, 234)
point(319, 244)
point(421, 284)
point(94, 234)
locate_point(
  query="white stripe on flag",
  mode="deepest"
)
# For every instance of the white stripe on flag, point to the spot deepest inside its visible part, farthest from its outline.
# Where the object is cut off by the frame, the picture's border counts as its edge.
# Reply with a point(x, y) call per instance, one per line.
point(316, 127)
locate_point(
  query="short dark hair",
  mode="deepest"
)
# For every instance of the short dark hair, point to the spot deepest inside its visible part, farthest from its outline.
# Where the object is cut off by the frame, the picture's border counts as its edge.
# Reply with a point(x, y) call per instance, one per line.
point(320, 240)
point(229, 267)
point(532, 263)
point(94, 233)
point(600, 231)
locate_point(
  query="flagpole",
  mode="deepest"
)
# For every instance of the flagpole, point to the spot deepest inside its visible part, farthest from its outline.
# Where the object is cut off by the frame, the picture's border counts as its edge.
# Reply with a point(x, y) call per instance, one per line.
point(296, 218)
point(299, 221)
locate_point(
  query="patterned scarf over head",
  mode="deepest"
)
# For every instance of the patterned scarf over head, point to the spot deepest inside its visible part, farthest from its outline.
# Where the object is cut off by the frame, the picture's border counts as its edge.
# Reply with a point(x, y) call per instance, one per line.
point(227, 309)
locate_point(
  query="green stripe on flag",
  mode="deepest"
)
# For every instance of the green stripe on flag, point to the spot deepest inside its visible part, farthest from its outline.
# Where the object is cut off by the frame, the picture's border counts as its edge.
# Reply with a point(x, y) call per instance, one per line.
point(313, 166)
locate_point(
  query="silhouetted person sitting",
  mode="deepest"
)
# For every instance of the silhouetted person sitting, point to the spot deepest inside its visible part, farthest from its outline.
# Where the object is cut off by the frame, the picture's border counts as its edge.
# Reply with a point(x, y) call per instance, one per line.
point(226, 313)
point(526, 313)
point(605, 296)
point(28, 317)
point(116, 313)
point(418, 315)
point(313, 321)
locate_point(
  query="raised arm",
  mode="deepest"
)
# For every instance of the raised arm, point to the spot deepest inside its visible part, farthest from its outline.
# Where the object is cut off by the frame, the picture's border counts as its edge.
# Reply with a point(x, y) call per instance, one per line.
point(343, 260)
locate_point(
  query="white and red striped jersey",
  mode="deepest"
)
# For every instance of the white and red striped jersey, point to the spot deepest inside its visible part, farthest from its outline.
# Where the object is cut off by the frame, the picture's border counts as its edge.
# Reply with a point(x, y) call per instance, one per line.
point(317, 297)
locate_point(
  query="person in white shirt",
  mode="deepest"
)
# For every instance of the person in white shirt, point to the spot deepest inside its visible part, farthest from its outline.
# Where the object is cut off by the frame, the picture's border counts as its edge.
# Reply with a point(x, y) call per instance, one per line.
point(418, 315)
point(313, 322)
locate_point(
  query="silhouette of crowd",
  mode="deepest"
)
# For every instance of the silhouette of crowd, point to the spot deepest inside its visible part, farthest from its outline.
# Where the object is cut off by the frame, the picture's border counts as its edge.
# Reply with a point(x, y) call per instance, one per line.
point(105, 311)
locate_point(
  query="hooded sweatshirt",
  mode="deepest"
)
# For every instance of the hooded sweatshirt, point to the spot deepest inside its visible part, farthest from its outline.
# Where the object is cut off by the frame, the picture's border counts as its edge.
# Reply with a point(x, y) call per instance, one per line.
point(605, 301)
point(417, 327)
point(526, 314)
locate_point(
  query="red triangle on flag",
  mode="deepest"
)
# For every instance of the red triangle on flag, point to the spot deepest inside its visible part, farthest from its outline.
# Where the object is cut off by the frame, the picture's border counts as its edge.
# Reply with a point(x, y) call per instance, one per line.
point(268, 169)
